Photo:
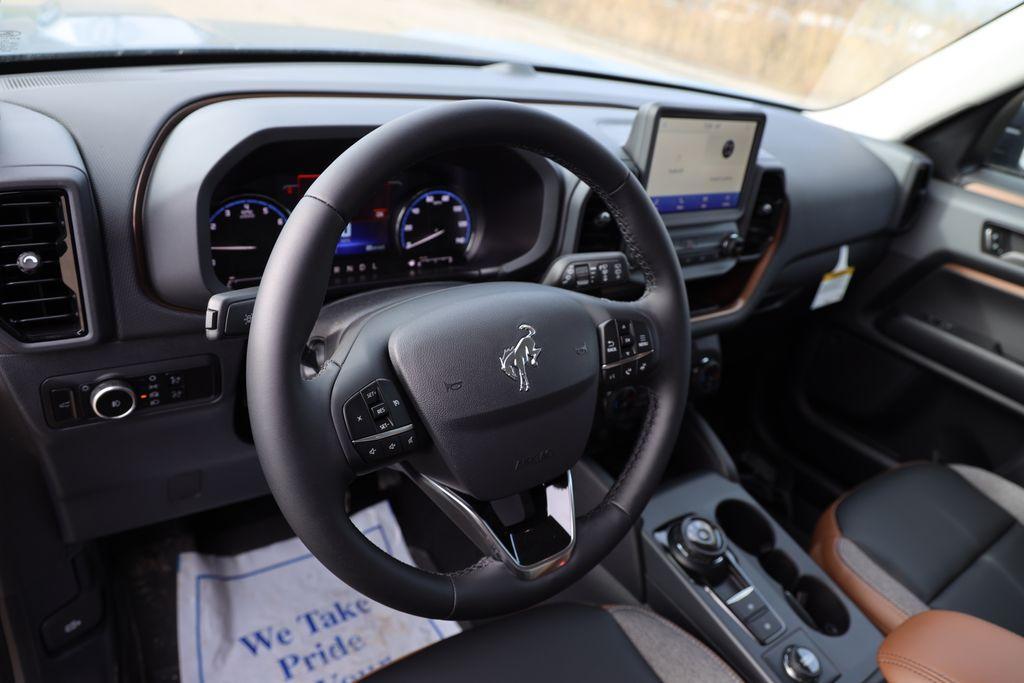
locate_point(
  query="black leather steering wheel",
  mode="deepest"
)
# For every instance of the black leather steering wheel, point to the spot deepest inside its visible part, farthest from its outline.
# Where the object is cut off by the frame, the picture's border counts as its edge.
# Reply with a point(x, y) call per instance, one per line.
point(448, 363)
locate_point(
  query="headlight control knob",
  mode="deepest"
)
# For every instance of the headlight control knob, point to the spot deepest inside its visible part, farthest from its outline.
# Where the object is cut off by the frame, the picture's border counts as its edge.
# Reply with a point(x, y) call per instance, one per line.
point(112, 400)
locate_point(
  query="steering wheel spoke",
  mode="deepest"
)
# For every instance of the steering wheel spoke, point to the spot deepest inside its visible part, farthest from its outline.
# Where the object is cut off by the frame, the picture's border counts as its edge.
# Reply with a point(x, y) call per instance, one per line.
point(532, 533)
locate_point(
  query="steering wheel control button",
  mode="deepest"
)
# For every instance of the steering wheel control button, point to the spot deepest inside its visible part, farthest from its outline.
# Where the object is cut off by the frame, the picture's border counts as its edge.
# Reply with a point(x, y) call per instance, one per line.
point(643, 337)
point(379, 411)
point(385, 425)
point(371, 394)
point(372, 451)
point(609, 342)
point(112, 400)
point(629, 372)
point(410, 442)
point(764, 626)
point(801, 664)
point(357, 418)
point(626, 351)
point(612, 376)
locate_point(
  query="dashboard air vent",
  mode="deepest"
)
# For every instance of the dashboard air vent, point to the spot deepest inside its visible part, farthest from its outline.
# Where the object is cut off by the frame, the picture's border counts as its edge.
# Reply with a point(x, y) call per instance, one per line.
point(770, 200)
point(39, 286)
point(598, 231)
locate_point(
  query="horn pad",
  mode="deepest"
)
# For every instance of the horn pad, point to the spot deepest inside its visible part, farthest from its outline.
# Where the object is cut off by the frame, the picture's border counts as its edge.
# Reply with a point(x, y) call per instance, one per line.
point(505, 381)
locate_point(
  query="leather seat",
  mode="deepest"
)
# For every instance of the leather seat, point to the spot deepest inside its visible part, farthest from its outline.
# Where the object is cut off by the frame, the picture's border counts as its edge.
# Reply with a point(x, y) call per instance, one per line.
point(928, 536)
point(566, 642)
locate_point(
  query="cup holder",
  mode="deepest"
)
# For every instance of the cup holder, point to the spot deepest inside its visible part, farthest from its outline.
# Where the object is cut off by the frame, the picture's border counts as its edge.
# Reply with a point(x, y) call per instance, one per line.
point(820, 604)
point(780, 566)
point(812, 599)
point(745, 526)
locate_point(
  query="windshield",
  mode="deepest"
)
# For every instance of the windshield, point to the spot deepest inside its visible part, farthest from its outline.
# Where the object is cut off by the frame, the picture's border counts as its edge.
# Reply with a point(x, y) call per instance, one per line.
point(810, 53)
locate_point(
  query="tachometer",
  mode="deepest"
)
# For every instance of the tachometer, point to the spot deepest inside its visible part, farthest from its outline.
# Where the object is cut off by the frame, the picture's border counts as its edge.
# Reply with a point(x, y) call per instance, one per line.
point(435, 222)
point(242, 235)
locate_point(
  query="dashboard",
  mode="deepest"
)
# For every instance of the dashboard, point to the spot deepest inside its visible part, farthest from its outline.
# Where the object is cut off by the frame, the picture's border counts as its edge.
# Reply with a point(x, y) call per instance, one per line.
point(185, 201)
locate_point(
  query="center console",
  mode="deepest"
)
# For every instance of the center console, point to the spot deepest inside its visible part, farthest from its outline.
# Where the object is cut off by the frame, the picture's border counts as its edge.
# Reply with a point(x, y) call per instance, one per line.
point(716, 561)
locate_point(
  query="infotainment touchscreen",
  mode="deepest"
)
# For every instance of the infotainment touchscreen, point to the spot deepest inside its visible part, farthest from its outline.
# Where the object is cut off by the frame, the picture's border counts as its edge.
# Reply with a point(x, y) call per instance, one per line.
point(700, 164)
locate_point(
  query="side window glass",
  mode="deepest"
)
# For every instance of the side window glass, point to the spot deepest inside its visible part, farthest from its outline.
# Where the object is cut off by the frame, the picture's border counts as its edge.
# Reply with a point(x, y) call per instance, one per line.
point(1008, 152)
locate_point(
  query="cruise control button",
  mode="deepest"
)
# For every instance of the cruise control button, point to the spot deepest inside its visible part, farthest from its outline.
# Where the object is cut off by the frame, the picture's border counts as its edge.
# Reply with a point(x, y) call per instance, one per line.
point(371, 395)
point(385, 425)
point(379, 411)
point(357, 417)
point(392, 400)
point(764, 626)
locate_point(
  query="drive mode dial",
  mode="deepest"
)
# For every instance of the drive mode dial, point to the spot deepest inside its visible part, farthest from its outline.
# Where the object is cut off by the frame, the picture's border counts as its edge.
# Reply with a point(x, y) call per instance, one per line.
point(112, 400)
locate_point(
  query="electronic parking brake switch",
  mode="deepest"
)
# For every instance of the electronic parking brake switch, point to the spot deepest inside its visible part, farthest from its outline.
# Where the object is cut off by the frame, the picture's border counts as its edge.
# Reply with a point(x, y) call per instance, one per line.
point(378, 423)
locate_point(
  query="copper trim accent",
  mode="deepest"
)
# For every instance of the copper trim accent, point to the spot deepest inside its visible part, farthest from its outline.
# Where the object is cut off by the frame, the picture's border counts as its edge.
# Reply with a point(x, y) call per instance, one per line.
point(985, 279)
point(139, 196)
point(997, 193)
point(745, 295)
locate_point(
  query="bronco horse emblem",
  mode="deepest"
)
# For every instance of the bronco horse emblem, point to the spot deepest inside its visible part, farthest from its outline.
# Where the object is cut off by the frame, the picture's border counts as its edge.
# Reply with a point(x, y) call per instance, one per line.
point(515, 359)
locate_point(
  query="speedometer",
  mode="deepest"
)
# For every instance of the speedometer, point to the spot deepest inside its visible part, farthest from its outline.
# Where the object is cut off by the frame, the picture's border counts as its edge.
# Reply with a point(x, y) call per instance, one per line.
point(242, 235)
point(435, 222)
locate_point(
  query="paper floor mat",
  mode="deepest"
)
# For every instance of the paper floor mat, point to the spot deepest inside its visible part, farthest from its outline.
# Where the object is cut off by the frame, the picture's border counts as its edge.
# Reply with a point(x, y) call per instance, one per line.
point(276, 615)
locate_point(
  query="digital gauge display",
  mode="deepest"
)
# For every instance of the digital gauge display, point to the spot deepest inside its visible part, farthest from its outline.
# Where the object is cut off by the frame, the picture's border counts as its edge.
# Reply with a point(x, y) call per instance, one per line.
point(435, 224)
point(242, 235)
point(416, 222)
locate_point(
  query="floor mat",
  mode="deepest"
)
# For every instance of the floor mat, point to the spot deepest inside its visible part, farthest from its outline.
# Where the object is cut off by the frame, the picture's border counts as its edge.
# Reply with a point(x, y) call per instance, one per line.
point(275, 614)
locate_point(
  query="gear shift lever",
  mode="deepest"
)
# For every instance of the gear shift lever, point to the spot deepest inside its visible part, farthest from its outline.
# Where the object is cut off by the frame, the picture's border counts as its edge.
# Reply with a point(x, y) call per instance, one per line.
point(699, 546)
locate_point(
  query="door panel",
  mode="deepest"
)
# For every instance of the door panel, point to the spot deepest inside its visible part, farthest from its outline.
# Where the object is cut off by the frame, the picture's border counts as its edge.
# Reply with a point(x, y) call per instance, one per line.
point(926, 360)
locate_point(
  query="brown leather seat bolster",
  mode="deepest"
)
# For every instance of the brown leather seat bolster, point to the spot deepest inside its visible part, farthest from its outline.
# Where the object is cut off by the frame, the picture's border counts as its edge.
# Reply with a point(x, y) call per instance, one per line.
point(952, 648)
point(824, 550)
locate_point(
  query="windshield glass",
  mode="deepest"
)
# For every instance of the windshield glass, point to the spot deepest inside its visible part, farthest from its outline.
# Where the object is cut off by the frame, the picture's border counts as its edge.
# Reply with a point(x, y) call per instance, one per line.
point(810, 53)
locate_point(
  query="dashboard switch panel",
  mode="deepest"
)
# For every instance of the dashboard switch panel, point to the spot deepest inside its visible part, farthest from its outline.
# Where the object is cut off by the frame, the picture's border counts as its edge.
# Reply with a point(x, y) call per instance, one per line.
point(124, 393)
point(379, 424)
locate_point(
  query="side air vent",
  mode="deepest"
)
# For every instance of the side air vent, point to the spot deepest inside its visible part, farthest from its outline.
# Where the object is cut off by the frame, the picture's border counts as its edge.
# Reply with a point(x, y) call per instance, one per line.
point(39, 286)
point(598, 231)
point(768, 205)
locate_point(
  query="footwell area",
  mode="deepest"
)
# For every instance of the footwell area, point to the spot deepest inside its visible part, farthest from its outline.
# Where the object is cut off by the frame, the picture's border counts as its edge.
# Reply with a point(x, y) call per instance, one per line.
point(276, 614)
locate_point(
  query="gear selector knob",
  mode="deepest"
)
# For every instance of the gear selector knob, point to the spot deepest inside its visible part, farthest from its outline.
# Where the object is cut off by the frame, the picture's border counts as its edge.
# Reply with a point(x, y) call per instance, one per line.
point(699, 546)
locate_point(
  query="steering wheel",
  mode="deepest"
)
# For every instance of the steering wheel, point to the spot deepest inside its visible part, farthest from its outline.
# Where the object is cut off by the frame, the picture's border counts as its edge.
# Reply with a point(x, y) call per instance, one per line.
point(479, 392)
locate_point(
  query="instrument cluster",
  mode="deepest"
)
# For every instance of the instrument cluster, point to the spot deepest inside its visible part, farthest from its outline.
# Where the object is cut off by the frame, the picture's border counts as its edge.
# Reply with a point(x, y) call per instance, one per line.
point(429, 220)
